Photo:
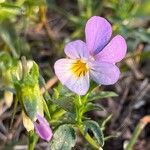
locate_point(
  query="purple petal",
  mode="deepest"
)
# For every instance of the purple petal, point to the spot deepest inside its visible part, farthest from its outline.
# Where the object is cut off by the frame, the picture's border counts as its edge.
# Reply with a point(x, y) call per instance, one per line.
point(98, 32)
point(42, 128)
point(104, 73)
point(76, 49)
point(79, 85)
point(114, 52)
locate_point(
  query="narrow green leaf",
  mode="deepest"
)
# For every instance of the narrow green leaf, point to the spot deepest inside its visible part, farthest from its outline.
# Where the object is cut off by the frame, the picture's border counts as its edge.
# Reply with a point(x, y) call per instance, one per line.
point(105, 121)
point(95, 128)
point(9, 36)
point(46, 110)
point(97, 96)
point(90, 106)
point(64, 102)
point(64, 138)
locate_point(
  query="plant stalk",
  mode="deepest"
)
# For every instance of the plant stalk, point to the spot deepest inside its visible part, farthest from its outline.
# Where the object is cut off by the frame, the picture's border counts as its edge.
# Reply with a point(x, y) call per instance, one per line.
point(143, 122)
point(33, 138)
point(81, 103)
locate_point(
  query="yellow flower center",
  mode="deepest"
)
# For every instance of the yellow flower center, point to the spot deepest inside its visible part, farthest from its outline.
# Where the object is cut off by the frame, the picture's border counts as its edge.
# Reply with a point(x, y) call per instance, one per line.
point(79, 68)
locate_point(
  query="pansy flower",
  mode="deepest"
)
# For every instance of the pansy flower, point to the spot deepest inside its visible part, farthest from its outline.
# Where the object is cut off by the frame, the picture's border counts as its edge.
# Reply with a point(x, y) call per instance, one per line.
point(94, 59)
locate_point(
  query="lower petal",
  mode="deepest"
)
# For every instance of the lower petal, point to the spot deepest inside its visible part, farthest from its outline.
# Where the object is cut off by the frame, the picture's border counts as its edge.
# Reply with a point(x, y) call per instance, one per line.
point(104, 73)
point(79, 85)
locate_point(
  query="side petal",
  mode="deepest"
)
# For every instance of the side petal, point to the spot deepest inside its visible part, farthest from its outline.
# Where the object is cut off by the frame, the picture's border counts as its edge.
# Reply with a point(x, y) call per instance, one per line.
point(98, 32)
point(42, 128)
point(104, 73)
point(76, 49)
point(115, 51)
point(79, 85)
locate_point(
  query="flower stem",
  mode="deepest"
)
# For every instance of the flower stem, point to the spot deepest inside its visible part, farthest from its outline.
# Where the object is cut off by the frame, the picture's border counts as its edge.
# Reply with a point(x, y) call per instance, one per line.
point(143, 122)
point(32, 140)
point(80, 106)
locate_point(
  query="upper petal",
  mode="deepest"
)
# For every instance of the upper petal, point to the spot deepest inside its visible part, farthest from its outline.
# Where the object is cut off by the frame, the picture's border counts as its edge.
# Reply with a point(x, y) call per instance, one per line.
point(98, 32)
point(79, 85)
point(115, 51)
point(76, 49)
point(104, 73)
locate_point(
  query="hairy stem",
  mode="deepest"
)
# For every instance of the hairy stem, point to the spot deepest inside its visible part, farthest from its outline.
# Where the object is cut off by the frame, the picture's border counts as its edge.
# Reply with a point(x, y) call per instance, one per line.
point(80, 105)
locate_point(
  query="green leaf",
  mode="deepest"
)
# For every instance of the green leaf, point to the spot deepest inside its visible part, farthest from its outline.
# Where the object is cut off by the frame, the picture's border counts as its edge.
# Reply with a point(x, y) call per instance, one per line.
point(105, 121)
point(64, 138)
point(30, 105)
point(35, 72)
point(97, 96)
point(46, 110)
point(90, 106)
point(8, 10)
point(9, 36)
point(65, 102)
point(14, 42)
point(5, 60)
point(95, 128)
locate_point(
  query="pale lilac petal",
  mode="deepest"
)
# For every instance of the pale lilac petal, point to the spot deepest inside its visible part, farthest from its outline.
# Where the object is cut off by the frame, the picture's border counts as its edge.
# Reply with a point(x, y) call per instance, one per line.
point(114, 52)
point(79, 85)
point(104, 73)
point(98, 32)
point(42, 128)
point(76, 49)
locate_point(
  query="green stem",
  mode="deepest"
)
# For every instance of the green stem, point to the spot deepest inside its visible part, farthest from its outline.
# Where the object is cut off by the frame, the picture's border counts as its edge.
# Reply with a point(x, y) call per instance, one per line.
point(89, 8)
point(14, 111)
point(33, 138)
point(80, 104)
point(89, 139)
point(143, 122)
